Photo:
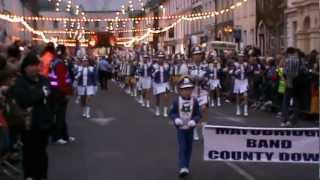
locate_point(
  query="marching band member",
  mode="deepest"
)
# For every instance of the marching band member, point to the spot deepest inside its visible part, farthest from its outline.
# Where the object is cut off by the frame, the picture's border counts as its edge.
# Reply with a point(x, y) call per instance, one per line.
point(200, 92)
point(103, 68)
point(175, 72)
point(130, 73)
point(184, 69)
point(241, 84)
point(77, 65)
point(185, 113)
point(139, 80)
point(213, 75)
point(145, 73)
point(87, 85)
point(122, 70)
point(161, 75)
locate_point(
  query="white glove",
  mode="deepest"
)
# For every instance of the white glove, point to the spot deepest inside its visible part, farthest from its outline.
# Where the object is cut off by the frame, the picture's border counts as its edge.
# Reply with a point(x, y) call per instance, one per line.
point(178, 122)
point(192, 123)
point(45, 90)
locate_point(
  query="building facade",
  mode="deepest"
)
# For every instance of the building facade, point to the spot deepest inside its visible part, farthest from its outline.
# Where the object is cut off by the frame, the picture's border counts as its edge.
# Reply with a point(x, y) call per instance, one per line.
point(245, 20)
point(303, 26)
point(224, 22)
point(209, 24)
point(12, 31)
point(174, 40)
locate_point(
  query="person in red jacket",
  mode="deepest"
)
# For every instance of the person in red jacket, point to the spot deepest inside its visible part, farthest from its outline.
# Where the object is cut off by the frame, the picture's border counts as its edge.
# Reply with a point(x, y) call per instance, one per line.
point(61, 89)
point(46, 56)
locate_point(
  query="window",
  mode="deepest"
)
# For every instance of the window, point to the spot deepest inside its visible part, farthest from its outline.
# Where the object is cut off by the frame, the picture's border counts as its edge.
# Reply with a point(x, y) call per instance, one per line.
point(55, 24)
point(294, 35)
point(171, 33)
point(245, 41)
point(96, 24)
point(252, 37)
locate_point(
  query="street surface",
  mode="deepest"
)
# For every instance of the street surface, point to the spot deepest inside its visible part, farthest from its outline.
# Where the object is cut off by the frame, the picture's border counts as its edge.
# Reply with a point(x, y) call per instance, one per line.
point(126, 141)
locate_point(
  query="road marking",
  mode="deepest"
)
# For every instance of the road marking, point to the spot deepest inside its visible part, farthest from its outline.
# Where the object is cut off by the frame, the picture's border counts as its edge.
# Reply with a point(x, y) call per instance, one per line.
point(241, 171)
point(103, 121)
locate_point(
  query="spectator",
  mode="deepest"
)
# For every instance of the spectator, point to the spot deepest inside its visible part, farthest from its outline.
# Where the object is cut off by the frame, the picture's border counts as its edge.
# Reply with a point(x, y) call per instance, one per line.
point(13, 57)
point(281, 87)
point(31, 93)
point(4, 132)
point(270, 81)
point(61, 90)
point(314, 107)
point(291, 72)
point(104, 72)
point(47, 56)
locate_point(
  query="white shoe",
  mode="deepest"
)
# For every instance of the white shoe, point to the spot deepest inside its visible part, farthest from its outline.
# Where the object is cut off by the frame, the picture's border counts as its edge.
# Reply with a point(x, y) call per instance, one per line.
point(184, 172)
point(195, 134)
point(289, 124)
point(71, 139)
point(245, 113)
point(84, 112)
point(283, 124)
point(165, 112)
point(291, 102)
point(135, 93)
point(141, 101)
point(238, 111)
point(212, 103)
point(61, 142)
point(157, 111)
point(148, 104)
point(218, 102)
point(88, 113)
point(77, 101)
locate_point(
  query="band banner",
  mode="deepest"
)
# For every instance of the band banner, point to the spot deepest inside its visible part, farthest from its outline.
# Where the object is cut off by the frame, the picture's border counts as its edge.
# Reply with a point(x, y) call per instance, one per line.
point(250, 144)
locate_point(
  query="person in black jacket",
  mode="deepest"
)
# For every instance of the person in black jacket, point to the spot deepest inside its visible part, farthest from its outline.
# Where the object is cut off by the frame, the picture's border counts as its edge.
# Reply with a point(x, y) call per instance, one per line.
point(31, 93)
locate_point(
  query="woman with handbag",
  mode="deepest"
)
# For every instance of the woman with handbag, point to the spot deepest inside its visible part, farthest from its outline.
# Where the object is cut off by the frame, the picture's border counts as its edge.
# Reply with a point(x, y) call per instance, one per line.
point(31, 93)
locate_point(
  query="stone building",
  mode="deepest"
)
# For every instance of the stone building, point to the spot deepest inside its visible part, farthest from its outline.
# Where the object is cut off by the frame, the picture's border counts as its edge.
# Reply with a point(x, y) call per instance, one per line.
point(12, 31)
point(303, 26)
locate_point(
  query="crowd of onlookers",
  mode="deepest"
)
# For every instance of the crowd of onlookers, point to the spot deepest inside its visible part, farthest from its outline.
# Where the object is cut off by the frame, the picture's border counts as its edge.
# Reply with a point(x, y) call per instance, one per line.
point(32, 110)
point(292, 75)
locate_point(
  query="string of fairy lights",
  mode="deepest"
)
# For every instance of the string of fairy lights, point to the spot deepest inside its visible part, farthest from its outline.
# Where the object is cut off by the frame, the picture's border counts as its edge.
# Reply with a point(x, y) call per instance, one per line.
point(70, 7)
point(179, 18)
point(60, 31)
point(168, 17)
point(149, 32)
